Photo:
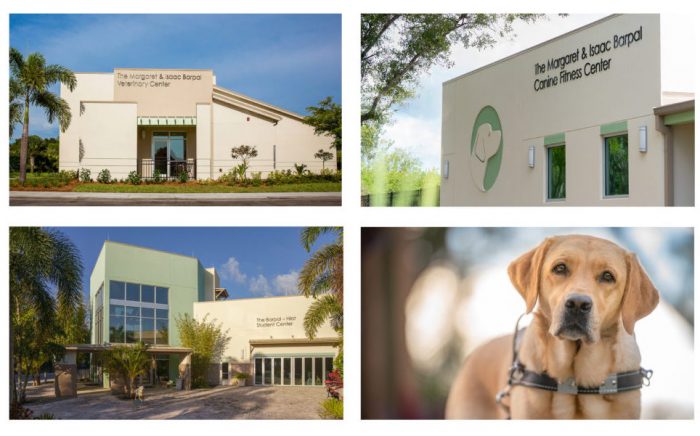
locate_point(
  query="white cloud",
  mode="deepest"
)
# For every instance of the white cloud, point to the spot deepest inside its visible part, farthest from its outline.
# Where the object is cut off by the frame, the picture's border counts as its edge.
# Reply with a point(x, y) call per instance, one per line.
point(259, 285)
point(232, 270)
point(419, 136)
point(286, 284)
point(281, 284)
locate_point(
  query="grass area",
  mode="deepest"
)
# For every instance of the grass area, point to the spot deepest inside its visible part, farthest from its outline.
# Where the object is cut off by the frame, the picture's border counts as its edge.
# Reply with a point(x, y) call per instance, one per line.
point(200, 188)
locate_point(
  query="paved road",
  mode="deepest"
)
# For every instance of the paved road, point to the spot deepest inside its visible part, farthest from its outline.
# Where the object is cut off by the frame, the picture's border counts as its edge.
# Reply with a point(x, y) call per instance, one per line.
point(34, 198)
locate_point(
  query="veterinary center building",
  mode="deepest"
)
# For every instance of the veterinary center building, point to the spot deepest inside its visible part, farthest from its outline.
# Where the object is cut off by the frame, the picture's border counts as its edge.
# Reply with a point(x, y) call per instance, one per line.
point(170, 121)
point(580, 120)
point(137, 294)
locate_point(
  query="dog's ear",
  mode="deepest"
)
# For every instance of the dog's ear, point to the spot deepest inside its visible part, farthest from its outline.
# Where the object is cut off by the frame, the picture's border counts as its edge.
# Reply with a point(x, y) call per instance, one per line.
point(640, 298)
point(525, 273)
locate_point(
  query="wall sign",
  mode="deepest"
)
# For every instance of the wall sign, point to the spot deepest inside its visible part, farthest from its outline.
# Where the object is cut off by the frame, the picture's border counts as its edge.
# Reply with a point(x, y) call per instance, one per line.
point(567, 67)
point(486, 150)
point(153, 80)
point(275, 321)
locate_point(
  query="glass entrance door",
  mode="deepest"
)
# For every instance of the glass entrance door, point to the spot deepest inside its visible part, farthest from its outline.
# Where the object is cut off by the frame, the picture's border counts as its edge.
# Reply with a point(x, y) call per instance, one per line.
point(168, 152)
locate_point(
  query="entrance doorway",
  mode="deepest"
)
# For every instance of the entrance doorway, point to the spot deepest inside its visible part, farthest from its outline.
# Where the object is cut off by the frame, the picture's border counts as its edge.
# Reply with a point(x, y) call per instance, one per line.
point(168, 151)
point(297, 371)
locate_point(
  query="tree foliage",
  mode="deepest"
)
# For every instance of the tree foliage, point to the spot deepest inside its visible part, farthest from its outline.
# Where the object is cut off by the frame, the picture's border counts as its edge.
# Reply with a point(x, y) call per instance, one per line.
point(207, 341)
point(125, 363)
point(42, 154)
point(245, 153)
point(45, 300)
point(327, 119)
point(30, 80)
point(321, 278)
point(324, 156)
point(396, 49)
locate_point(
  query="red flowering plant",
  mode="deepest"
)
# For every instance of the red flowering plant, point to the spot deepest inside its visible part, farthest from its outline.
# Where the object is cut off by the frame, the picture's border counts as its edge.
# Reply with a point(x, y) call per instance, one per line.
point(334, 381)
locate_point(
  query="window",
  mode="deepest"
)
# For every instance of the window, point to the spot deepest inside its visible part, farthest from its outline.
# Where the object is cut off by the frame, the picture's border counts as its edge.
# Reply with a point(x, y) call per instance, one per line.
point(99, 315)
point(277, 371)
point(135, 316)
point(162, 295)
point(116, 290)
point(258, 371)
point(267, 371)
point(287, 374)
point(308, 371)
point(556, 172)
point(329, 365)
point(298, 379)
point(318, 371)
point(616, 166)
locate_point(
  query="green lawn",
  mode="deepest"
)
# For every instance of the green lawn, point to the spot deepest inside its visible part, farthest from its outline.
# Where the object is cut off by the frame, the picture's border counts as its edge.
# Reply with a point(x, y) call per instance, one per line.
point(204, 188)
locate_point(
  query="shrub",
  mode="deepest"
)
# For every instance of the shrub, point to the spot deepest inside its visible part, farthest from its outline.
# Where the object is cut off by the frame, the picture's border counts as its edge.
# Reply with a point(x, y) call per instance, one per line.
point(158, 177)
point(104, 176)
point(256, 178)
point(134, 178)
point(300, 168)
point(85, 175)
point(332, 408)
point(183, 177)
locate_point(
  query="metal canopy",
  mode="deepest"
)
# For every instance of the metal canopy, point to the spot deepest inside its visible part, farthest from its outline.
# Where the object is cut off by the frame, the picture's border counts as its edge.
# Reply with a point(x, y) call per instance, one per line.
point(166, 121)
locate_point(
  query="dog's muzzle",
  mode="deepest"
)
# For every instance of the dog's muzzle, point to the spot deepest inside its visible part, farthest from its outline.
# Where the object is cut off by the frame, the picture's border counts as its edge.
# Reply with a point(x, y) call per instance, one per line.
point(576, 317)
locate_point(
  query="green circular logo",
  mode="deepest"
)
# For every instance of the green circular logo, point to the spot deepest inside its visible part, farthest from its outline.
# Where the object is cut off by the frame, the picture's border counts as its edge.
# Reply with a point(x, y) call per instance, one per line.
point(486, 150)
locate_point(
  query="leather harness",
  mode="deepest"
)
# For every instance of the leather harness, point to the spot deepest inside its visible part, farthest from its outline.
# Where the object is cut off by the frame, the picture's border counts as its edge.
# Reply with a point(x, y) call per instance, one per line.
point(519, 375)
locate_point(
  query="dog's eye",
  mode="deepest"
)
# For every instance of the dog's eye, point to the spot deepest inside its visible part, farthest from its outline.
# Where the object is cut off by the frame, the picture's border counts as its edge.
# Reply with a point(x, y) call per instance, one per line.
point(607, 277)
point(560, 269)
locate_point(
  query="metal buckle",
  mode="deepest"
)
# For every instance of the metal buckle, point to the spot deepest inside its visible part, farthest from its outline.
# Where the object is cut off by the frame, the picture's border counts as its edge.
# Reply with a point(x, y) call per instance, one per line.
point(568, 386)
point(609, 386)
point(516, 373)
point(646, 376)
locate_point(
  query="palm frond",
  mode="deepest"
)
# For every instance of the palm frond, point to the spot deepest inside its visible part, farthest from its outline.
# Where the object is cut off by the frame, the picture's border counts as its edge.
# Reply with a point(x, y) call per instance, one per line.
point(324, 260)
point(55, 108)
point(324, 308)
point(60, 74)
point(310, 234)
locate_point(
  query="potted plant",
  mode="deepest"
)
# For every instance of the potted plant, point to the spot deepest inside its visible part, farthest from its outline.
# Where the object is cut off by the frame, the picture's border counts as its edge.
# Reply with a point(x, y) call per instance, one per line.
point(241, 378)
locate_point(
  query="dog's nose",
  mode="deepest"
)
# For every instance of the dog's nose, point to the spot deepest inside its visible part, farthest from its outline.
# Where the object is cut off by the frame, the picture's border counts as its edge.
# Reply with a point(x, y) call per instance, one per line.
point(578, 303)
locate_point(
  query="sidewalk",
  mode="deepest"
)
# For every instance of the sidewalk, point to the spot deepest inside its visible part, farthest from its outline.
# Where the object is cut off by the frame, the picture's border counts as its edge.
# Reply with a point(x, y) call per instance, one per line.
point(38, 198)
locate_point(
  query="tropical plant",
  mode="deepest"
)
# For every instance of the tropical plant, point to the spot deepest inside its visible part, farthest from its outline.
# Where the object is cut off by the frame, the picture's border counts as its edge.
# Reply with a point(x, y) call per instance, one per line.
point(125, 363)
point(244, 153)
point(322, 279)
point(30, 80)
point(207, 341)
point(299, 168)
point(41, 260)
point(324, 156)
point(331, 408)
point(183, 176)
point(158, 177)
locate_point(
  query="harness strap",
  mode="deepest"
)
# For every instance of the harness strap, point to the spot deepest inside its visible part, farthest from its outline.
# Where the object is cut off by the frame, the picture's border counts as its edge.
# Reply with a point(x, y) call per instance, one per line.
point(521, 376)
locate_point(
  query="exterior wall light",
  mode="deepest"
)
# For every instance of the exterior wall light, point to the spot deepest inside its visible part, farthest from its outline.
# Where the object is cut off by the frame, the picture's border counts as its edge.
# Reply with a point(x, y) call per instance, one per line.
point(446, 169)
point(643, 139)
point(531, 156)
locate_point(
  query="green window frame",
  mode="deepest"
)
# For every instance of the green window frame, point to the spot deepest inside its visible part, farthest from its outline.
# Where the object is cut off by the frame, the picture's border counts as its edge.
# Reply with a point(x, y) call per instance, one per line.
point(556, 172)
point(616, 165)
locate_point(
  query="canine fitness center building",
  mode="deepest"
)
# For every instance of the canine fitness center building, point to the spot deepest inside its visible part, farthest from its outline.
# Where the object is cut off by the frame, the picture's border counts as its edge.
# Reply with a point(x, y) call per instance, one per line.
point(137, 293)
point(177, 120)
point(579, 120)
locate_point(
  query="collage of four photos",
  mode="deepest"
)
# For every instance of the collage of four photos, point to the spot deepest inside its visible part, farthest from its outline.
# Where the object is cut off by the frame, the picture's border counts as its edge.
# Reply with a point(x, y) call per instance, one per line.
point(179, 202)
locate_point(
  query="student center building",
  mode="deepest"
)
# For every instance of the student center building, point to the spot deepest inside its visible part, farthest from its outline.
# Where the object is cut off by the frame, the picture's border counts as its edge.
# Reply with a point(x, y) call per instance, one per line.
point(137, 293)
point(172, 121)
point(580, 120)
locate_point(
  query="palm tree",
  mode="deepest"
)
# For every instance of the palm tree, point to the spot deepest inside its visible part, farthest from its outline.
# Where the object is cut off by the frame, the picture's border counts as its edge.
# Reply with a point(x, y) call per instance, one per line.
point(29, 83)
point(40, 261)
point(322, 278)
point(127, 362)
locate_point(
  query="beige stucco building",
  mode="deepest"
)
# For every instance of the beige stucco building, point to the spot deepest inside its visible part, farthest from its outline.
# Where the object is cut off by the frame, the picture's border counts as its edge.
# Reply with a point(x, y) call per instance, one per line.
point(579, 120)
point(268, 341)
point(171, 121)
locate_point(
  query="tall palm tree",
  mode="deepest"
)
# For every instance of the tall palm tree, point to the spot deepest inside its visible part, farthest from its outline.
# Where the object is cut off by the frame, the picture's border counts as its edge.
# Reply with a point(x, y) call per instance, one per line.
point(29, 81)
point(322, 278)
point(45, 277)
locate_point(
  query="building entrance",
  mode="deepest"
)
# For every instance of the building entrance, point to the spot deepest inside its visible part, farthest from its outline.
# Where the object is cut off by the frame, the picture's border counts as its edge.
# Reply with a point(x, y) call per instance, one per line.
point(292, 370)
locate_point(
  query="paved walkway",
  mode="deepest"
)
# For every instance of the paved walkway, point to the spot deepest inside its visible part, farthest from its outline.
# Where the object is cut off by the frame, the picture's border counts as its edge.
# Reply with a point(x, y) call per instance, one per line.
point(39, 198)
point(223, 402)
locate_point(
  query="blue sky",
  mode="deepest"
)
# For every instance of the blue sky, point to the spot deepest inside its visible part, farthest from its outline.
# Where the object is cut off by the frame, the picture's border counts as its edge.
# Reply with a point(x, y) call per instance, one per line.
point(292, 61)
point(251, 261)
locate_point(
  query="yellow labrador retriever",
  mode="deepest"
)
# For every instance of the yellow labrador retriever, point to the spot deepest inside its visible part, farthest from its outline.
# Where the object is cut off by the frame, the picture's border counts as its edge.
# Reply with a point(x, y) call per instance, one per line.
point(578, 358)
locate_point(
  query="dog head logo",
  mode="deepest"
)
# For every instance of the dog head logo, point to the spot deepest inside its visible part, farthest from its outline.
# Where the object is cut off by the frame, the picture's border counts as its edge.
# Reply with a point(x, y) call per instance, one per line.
point(486, 149)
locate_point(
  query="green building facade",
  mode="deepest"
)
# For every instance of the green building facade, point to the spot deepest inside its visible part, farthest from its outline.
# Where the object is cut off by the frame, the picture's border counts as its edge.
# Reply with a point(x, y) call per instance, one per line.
point(137, 293)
